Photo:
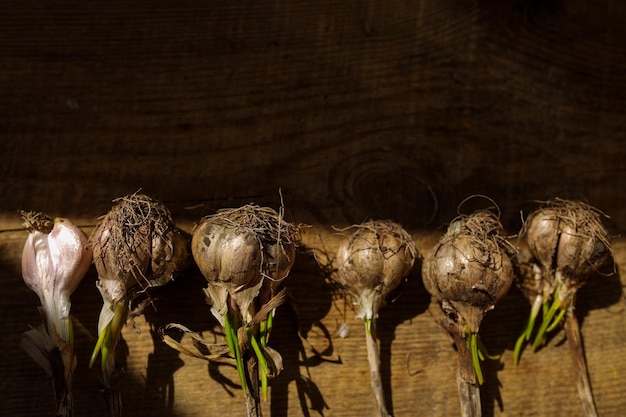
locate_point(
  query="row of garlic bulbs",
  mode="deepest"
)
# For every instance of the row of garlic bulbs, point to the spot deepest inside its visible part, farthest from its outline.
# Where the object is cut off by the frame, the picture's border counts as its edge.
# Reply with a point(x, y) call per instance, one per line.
point(246, 253)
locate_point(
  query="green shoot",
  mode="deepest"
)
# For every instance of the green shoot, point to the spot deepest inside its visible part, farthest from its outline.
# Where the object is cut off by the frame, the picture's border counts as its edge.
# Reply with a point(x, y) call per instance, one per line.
point(483, 350)
point(525, 336)
point(476, 357)
point(479, 353)
point(96, 349)
point(547, 320)
point(233, 344)
point(263, 332)
point(368, 325)
point(262, 362)
point(108, 337)
point(557, 320)
point(268, 327)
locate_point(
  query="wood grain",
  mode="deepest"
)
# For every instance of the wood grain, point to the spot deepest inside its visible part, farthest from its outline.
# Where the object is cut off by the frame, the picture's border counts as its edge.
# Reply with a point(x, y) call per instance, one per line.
point(353, 110)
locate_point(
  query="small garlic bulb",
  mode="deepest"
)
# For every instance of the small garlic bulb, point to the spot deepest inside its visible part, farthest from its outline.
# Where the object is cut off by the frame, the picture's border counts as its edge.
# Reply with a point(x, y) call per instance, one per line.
point(569, 241)
point(373, 261)
point(469, 270)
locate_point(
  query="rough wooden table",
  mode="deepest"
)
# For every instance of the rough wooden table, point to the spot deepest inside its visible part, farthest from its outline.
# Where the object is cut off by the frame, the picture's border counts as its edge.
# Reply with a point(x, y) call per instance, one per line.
point(353, 110)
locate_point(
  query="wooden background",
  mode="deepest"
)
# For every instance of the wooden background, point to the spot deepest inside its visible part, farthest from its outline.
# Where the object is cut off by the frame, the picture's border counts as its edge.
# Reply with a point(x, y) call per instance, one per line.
point(354, 109)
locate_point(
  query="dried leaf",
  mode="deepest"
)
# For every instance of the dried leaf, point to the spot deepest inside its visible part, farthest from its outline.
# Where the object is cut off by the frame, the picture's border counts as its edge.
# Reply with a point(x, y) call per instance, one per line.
point(218, 352)
point(38, 345)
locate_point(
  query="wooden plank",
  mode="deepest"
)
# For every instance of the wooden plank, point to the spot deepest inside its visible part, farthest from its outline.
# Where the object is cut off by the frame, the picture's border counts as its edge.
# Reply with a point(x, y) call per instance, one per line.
point(418, 361)
point(345, 107)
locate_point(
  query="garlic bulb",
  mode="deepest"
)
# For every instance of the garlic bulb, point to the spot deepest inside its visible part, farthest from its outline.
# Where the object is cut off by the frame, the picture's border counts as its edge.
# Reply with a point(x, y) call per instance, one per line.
point(470, 269)
point(467, 273)
point(371, 263)
point(564, 243)
point(135, 246)
point(568, 241)
point(239, 250)
point(245, 254)
point(230, 260)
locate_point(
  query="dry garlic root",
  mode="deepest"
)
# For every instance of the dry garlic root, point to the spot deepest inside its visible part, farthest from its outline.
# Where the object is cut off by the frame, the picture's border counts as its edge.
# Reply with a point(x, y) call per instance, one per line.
point(245, 254)
point(566, 243)
point(371, 263)
point(467, 273)
point(135, 246)
point(55, 259)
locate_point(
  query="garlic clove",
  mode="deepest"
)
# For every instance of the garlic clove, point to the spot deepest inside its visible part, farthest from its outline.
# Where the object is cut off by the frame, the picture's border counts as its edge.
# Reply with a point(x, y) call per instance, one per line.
point(224, 253)
point(71, 256)
point(169, 256)
point(53, 265)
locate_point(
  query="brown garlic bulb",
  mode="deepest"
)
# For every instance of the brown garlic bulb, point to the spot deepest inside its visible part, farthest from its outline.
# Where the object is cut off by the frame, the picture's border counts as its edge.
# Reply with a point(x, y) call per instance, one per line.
point(569, 242)
point(137, 245)
point(469, 269)
point(373, 261)
point(239, 250)
point(370, 264)
point(566, 243)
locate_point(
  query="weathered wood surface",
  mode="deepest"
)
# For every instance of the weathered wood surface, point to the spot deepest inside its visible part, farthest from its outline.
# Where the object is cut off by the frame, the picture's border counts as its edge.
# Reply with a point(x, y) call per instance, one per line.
point(354, 110)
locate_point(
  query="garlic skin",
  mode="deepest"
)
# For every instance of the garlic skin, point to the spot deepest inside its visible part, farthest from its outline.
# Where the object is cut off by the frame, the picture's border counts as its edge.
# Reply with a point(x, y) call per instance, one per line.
point(53, 265)
point(280, 258)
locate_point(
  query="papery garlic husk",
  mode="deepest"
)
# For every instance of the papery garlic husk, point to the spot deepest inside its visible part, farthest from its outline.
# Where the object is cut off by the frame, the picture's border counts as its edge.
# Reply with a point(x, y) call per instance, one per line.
point(280, 255)
point(527, 273)
point(569, 241)
point(470, 270)
point(237, 250)
point(54, 261)
point(372, 262)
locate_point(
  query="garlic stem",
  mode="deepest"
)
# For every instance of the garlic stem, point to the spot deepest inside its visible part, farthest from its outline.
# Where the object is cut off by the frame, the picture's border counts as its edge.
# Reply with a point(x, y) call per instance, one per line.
point(373, 357)
point(467, 379)
point(581, 374)
point(251, 396)
point(469, 396)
